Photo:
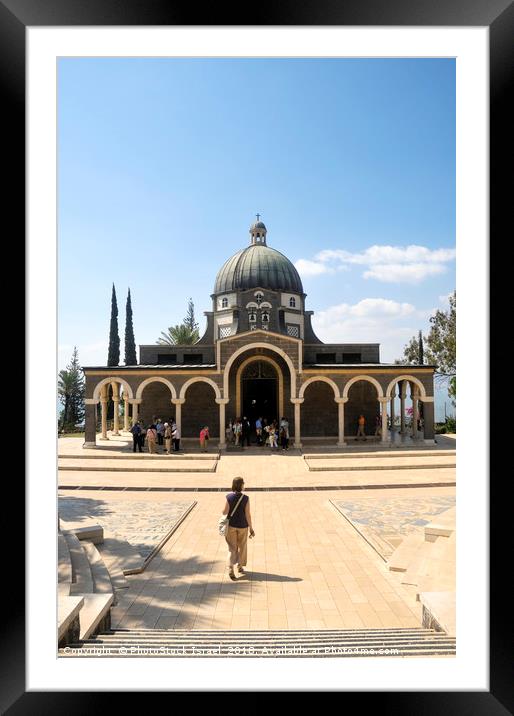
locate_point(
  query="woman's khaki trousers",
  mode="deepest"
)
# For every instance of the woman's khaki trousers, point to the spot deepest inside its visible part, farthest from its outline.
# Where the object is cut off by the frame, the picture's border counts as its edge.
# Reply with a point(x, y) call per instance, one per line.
point(237, 539)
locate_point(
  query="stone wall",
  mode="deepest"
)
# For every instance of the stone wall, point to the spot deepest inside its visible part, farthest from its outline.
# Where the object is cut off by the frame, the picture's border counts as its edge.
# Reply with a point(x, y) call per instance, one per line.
point(156, 403)
point(362, 399)
point(200, 409)
point(319, 411)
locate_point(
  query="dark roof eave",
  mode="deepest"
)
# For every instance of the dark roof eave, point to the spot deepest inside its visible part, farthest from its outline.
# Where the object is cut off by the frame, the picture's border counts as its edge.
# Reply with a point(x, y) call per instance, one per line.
point(366, 365)
point(176, 366)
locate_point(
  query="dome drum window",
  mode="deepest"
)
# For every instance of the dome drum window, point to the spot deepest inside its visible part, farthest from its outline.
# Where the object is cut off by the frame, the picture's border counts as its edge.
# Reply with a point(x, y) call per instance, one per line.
point(292, 302)
point(224, 302)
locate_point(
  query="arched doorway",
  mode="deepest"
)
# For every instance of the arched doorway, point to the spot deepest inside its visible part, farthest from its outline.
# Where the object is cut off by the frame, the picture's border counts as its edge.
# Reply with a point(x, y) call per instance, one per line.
point(319, 410)
point(260, 391)
point(155, 402)
point(362, 400)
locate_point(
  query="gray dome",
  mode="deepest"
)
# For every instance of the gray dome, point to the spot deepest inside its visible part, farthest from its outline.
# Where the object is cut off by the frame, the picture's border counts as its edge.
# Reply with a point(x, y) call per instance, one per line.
point(258, 266)
point(258, 225)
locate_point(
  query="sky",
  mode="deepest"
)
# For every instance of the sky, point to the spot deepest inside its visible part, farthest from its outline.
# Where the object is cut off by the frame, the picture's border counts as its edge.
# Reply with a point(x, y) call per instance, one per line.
point(163, 164)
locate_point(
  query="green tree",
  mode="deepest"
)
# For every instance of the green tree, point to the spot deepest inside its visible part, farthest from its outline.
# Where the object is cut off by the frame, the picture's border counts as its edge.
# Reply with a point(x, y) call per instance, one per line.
point(190, 320)
point(71, 390)
point(130, 343)
point(438, 348)
point(113, 357)
point(185, 333)
point(411, 352)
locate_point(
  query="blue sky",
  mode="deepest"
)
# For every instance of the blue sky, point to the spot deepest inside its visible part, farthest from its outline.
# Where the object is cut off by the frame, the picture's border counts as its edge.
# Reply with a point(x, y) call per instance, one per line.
point(163, 164)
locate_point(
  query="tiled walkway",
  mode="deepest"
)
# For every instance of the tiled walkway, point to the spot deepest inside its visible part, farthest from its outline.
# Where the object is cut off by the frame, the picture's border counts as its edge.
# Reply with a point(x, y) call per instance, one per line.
point(308, 568)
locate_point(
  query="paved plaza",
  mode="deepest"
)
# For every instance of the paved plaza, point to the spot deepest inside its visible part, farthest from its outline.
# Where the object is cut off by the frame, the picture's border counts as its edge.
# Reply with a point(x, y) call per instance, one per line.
point(310, 565)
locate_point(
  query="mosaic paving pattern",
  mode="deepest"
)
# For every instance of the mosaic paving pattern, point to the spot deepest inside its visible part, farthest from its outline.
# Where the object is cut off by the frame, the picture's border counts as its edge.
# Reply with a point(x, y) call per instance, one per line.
point(386, 522)
point(142, 524)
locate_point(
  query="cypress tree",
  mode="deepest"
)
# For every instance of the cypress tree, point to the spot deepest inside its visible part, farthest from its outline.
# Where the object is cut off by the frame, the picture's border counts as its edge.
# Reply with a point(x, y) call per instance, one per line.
point(420, 349)
point(130, 343)
point(114, 338)
point(189, 320)
point(71, 393)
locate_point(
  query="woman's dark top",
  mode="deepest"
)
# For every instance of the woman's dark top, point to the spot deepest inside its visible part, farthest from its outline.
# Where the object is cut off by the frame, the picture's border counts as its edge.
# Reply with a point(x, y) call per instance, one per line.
point(238, 519)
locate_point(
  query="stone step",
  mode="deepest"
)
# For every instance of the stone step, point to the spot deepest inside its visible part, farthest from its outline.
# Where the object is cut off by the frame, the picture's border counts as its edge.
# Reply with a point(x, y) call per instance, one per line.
point(405, 553)
point(352, 642)
point(101, 578)
point(64, 569)
point(240, 633)
point(86, 529)
point(380, 454)
point(95, 614)
point(138, 456)
point(380, 466)
point(114, 466)
point(121, 558)
point(68, 609)
point(443, 525)
point(82, 579)
point(439, 610)
point(376, 641)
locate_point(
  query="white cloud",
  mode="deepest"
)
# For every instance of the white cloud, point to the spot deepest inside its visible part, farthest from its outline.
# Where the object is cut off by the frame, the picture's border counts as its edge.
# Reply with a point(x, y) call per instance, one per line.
point(312, 268)
point(372, 320)
point(403, 273)
point(391, 264)
point(306, 267)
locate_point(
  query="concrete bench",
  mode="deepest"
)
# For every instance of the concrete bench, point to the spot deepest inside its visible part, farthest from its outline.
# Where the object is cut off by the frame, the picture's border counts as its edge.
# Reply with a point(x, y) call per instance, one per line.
point(90, 531)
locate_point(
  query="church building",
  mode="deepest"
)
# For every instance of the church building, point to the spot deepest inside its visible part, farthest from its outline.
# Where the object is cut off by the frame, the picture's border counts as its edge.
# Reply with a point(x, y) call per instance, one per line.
point(259, 357)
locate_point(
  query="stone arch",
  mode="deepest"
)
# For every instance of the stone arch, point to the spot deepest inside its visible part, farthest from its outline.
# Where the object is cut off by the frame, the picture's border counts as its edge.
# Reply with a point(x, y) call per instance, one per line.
point(198, 379)
point(323, 378)
point(410, 378)
point(364, 395)
point(107, 381)
point(155, 379)
point(200, 407)
point(252, 346)
point(320, 409)
point(280, 378)
point(355, 379)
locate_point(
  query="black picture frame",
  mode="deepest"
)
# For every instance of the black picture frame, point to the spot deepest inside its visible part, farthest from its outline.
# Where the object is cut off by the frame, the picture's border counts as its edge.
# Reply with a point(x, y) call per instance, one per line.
point(498, 15)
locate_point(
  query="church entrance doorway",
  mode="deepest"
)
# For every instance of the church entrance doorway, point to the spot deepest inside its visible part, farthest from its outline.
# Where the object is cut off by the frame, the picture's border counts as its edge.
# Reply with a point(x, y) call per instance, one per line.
point(259, 393)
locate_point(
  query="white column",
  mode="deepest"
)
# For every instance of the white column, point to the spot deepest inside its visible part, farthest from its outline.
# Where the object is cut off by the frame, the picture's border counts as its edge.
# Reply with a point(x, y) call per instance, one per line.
point(126, 425)
point(178, 402)
point(297, 425)
point(116, 401)
point(222, 402)
point(340, 406)
point(384, 402)
point(103, 403)
point(402, 407)
point(415, 415)
point(135, 408)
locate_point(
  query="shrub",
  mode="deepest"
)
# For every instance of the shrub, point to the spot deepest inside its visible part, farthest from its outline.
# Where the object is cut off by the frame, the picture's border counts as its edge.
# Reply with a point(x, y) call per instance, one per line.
point(451, 425)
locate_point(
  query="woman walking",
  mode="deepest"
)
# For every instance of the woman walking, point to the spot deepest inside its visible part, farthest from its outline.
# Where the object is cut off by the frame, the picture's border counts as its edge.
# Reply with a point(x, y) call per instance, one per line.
point(151, 437)
point(237, 506)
